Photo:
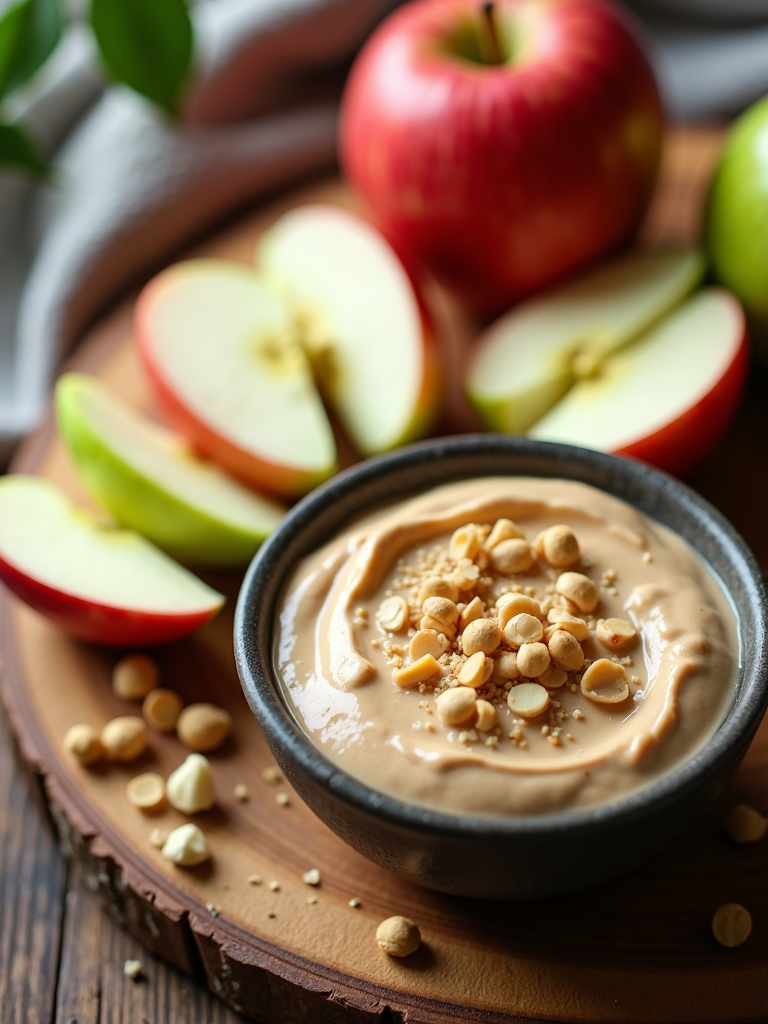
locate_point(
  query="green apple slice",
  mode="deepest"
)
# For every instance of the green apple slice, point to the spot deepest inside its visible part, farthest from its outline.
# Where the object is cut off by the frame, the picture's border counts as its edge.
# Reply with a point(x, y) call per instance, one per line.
point(221, 351)
point(529, 358)
point(148, 479)
point(360, 320)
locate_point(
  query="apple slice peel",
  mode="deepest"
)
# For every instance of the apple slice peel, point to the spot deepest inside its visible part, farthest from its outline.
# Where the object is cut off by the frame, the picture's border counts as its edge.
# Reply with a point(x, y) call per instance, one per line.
point(95, 581)
point(149, 480)
point(528, 359)
point(667, 397)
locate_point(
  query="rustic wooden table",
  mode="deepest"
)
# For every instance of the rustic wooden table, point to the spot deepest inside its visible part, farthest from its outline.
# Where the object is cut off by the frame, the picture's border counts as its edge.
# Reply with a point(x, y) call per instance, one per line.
point(61, 957)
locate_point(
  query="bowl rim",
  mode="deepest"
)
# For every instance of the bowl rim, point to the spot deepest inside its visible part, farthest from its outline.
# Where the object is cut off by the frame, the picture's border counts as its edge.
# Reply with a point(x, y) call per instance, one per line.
point(649, 489)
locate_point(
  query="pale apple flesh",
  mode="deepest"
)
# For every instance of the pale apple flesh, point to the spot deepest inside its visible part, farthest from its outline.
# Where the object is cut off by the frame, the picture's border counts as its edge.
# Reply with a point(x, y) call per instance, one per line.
point(363, 325)
point(149, 479)
point(667, 398)
point(97, 582)
point(241, 359)
point(219, 349)
point(528, 359)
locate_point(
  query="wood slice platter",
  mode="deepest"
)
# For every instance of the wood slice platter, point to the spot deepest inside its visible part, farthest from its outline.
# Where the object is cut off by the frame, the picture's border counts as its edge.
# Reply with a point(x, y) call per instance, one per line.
point(636, 949)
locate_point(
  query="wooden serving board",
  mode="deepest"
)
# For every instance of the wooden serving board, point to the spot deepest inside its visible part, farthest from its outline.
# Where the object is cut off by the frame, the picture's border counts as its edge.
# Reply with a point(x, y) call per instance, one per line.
point(636, 949)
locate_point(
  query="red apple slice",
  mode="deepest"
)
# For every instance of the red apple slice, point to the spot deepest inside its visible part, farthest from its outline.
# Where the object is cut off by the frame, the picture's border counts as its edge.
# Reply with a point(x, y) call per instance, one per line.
point(100, 583)
point(668, 397)
point(526, 361)
point(221, 352)
point(363, 323)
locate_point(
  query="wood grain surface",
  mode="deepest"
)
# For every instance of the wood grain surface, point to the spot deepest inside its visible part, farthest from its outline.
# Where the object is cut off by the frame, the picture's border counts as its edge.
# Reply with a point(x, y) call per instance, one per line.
point(637, 949)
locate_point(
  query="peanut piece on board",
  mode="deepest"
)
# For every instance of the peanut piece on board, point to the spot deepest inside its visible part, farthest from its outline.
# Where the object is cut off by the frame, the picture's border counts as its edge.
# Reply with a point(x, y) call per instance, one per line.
point(398, 936)
point(186, 846)
point(83, 743)
point(134, 676)
point(731, 924)
point(124, 738)
point(203, 727)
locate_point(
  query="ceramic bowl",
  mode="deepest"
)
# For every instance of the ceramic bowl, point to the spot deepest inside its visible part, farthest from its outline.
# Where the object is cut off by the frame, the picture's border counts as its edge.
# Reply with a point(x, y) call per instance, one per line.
point(521, 857)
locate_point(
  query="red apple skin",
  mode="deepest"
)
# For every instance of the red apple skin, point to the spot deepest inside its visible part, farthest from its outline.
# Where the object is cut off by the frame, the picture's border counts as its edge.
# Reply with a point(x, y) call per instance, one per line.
point(681, 445)
point(98, 623)
point(271, 477)
point(502, 178)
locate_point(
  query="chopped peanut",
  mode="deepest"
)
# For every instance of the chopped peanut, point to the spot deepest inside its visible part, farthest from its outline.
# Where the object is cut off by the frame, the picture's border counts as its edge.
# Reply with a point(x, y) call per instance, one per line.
point(186, 845)
point(84, 744)
point(430, 622)
point(190, 788)
point(134, 676)
point(565, 651)
point(124, 738)
point(505, 665)
point(510, 605)
point(528, 700)
point(457, 705)
point(615, 633)
point(203, 727)
point(486, 715)
point(437, 586)
point(553, 678)
point(731, 924)
point(442, 609)
point(425, 641)
point(393, 614)
point(512, 556)
point(579, 589)
point(161, 710)
point(503, 529)
point(474, 610)
point(559, 546)
point(481, 635)
point(472, 672)
point(523, 629)
point(465, 542)
point(605, 682)
point(745, 825)
point(146, 791)
point(466, 574)
point(418, 672)
point(532, 660)
point(562, 619)
point(398, 936)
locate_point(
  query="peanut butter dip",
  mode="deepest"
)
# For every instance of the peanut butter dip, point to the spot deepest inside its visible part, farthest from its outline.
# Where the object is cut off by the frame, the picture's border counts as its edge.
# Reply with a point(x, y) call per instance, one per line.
point(507, 646)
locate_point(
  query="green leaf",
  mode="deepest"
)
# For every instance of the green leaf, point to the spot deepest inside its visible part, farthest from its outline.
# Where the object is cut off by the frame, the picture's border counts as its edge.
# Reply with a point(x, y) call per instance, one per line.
point(146, 44)
point(19, 151)
point(29, 32)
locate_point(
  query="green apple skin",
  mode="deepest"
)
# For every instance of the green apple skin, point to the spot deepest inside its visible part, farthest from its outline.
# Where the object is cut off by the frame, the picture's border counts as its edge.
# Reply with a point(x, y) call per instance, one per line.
point(137, 501)
point(736, 220)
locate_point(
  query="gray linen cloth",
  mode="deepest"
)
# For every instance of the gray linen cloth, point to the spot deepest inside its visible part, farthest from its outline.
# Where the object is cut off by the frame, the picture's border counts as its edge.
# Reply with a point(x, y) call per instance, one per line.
point(132, 187)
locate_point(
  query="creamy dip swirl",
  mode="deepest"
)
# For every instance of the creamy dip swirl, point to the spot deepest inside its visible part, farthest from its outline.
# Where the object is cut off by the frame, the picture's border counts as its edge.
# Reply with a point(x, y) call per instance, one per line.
point(336, 662)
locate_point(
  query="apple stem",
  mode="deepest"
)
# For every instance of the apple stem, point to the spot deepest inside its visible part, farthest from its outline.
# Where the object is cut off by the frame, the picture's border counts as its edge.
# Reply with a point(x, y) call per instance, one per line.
point(487, 37)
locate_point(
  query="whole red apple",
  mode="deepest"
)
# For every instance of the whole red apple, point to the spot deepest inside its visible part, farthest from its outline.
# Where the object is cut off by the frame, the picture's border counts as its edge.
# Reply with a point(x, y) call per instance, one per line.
point(504, 144)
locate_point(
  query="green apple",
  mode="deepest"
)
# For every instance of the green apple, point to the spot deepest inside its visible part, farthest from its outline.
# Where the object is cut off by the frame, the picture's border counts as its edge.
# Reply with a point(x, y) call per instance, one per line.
point(149, 480)
point(94, 580)
point(736, 219)
point(529, 358)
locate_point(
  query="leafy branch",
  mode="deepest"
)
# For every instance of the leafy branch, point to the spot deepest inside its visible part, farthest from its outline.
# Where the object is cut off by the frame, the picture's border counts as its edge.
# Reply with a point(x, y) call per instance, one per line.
point(144, 44)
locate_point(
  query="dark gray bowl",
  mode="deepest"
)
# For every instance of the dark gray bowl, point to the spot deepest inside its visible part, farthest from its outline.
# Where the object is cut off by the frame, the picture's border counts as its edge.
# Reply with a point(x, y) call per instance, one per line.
point(519, 858)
